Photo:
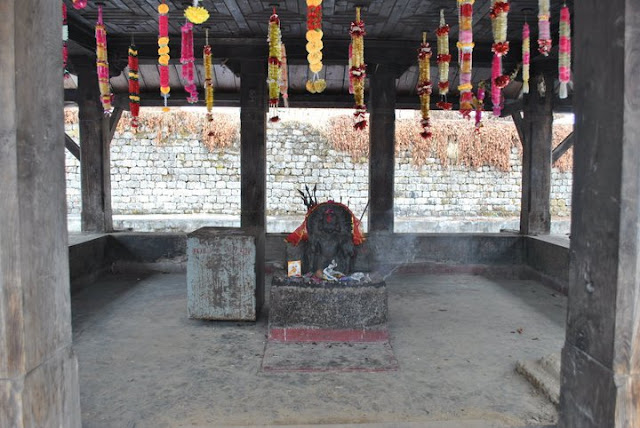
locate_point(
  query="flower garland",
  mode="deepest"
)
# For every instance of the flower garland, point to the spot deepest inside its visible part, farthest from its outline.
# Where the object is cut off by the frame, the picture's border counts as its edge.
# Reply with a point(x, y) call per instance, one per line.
point(275, 64)
point(479, 105)
point(187, 60)
point(315, 85)
point(196, 14)
point(465, 48)
point(544, 27)
point(79, 4)
point(500, 47)
point(443, 59)
point(284, 81)
point(65, 38)
point(102, 64)
point(564, 59)
point(424, 85)
point(163, 52)
point(358, 70)
point(526, 57)
point(134, 86)
point(208, 77)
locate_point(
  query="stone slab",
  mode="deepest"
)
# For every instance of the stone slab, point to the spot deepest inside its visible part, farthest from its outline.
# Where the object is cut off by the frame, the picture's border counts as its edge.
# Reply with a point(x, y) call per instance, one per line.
point(543, 374)
point(329, 357)
point(327, 305)
point(225, 273)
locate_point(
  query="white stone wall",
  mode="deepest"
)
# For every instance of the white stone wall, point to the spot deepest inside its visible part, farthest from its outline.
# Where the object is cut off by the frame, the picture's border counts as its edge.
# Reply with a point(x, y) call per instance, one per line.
point(184, 177)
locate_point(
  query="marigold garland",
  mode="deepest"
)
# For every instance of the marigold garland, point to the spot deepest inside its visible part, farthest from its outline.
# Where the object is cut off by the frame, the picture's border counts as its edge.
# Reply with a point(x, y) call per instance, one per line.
point(564, 59)
point(163, 52)
point(187, 60)
point(196, 14)
point(314, 46)
point(102, 64)
point(358, 70)
point(134, 86)
point(526, 57)
point(465, 49)
point(208, 77)
point(544, 27)
point(284, 81)
point(65, 38)
point(424, 87)
point(500, 47)
point(443, 59)
point(275, 63)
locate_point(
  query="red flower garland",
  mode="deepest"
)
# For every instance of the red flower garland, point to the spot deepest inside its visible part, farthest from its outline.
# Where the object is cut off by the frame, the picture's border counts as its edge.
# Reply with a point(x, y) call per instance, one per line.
point(134, 86)
point(187, 60)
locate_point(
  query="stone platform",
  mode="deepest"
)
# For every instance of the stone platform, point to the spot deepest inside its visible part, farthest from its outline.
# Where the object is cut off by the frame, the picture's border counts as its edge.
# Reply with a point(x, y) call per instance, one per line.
point(305, 309)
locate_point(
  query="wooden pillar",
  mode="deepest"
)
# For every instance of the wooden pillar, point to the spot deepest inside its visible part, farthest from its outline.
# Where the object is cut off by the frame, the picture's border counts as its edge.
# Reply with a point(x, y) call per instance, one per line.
point(95, 159)
point(253, 144)
point(38, 369)
point(601, 356)
point(382, 104)
point(535, 212)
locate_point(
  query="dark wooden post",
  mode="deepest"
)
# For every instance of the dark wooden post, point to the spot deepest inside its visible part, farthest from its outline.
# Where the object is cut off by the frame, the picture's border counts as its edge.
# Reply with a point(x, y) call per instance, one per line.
point(535, 212)
point(382, 104)
point(95, 159)
point(38, 369)
point(601, 356)
point(253, 143)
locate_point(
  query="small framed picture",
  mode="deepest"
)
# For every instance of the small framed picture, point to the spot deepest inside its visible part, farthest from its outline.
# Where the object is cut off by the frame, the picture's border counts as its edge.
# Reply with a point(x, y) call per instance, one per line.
point(294, 268)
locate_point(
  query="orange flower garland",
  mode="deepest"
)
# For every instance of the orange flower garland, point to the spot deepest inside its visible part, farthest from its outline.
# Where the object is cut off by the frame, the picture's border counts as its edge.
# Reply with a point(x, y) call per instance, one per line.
point(163, 52)
point(315, 85)
point(358, 70)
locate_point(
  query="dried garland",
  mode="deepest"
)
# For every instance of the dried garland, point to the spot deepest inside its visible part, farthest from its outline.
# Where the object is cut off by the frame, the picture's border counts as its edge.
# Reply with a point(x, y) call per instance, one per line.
point(163, 52)
point(284, 81)
point(102, 64)
point(465, 49)
point(187, 60)
point(500, 47)
point(65, 38)
point(134, 86)
point(544, 27)
point(208, 77)
point(314, 34)
point(275, 65)
point(480, 94)
point(424, 87)
point(526, 57)
point(358, 70)
point(443, 59)
point(564, 60)
point(196, 14)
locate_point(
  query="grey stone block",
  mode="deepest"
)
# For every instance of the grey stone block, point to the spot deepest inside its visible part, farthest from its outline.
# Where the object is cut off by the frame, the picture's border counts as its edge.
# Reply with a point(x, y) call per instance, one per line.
point(225, 279)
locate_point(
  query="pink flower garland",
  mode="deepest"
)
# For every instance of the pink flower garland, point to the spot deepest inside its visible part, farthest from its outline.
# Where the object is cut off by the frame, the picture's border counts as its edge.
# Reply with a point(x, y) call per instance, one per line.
point(564, 60)
point(187, 60)
point(500, 47)
point(544, 28)
point(526, 57)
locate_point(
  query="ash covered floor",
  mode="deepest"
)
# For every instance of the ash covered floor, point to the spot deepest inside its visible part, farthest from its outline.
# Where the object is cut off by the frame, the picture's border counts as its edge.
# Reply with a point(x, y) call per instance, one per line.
point(456, 338)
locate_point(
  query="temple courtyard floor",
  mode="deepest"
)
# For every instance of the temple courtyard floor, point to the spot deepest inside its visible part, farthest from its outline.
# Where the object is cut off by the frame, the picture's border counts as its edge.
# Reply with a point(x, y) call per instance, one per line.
point(456, 338)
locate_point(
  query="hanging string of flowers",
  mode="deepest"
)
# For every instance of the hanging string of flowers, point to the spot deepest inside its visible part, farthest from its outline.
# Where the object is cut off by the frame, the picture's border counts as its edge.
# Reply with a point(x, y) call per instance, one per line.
point(526, 57)
point(443, 59)
point(208, 77)
point(500, 47)
point(314, 34)
point(134, 86)
point(358, 70)
point(480, 94)
point(465, 49)
point(102, 64)
point(187, 60)
point(275, 64)
point(196, 14)
point(284, 81)
point(79, 4)
point(424, 85)
point(163, 52)
point(544, 27)
point(564, 60)
point(65, 38)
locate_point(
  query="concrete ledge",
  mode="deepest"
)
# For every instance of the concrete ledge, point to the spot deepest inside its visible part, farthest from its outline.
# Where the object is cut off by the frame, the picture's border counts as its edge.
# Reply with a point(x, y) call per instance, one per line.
point(548, 259)
point(88, 259)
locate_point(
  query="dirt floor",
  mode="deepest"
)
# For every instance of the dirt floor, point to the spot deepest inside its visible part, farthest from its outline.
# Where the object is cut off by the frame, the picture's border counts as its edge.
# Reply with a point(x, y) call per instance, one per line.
point(456, 339)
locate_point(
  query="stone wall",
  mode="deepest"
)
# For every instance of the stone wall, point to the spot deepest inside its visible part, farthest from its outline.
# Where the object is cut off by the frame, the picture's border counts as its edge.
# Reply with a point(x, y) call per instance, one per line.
point(184, 177)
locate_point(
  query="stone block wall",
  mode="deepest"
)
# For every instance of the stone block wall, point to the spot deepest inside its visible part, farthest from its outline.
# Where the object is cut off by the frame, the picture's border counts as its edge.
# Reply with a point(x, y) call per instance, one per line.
point(184, 177)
